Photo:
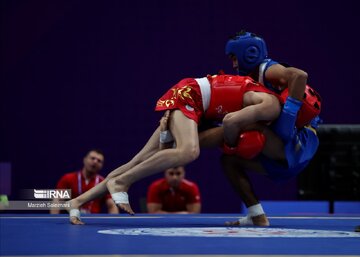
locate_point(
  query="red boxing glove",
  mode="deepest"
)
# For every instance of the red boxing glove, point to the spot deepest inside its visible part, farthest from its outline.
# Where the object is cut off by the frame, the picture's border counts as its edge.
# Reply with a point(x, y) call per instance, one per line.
point(250, 144)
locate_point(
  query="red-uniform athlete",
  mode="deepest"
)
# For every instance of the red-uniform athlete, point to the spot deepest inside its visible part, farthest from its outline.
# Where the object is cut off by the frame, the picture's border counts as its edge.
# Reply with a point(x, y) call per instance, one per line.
point(214, 97)
point(173, 194)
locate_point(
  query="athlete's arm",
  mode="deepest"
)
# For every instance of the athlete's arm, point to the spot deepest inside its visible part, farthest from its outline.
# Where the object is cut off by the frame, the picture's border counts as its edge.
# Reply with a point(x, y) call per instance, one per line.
point(293, 78)
point(259, 106)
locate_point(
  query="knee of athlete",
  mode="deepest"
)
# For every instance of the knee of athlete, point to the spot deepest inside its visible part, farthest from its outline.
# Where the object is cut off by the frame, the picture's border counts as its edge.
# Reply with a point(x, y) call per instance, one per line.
point(189, 153)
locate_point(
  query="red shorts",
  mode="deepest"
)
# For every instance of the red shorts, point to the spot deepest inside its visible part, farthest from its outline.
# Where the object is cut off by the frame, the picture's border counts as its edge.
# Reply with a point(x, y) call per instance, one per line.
point(185, 96)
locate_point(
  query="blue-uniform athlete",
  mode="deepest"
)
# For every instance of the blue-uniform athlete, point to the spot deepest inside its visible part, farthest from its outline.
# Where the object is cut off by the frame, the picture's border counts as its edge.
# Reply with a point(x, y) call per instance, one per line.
point(291, 141)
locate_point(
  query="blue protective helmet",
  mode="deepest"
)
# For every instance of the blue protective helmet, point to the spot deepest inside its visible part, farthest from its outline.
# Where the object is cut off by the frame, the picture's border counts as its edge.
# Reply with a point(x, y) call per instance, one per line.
point(249, 49)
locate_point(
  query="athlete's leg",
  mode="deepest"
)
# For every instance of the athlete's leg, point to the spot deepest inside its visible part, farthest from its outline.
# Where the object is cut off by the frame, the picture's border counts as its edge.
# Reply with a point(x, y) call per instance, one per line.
point(151, 147)
point(187, 149)
point(274, 146)
point(212, 138)
point(234, 169)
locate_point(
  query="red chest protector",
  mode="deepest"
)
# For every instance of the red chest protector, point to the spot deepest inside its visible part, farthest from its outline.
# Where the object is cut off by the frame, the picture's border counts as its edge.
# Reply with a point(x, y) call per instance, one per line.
point(310, 108)
point(227, 92)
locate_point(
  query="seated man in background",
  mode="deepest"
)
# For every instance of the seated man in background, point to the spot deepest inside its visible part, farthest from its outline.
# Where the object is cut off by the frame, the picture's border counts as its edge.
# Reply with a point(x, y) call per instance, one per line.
point(173, 194)
point(84, 179)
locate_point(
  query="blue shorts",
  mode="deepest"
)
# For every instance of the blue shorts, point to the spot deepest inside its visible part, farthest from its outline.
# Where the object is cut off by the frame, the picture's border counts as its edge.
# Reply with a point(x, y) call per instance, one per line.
point(299, 151)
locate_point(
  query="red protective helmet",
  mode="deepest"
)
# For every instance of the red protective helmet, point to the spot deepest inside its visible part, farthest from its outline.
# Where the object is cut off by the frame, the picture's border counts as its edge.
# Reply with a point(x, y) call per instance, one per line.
point(311, 106)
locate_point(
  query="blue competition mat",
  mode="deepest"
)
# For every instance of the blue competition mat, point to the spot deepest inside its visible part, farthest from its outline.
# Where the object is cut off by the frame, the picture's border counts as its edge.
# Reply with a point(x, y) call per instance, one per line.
point(203, 234)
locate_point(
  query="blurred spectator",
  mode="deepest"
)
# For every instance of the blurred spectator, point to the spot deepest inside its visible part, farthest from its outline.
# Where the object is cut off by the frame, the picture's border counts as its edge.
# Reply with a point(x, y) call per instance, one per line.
point(173, 194)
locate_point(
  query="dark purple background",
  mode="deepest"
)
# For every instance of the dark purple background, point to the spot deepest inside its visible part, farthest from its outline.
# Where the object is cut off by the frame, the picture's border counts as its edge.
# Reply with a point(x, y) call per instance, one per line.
point(83, 74)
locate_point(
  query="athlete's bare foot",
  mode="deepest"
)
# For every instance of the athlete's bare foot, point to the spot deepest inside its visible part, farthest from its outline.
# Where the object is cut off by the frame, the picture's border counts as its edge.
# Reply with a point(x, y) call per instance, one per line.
point(76, 221)
point(257, 221)
point(261, 221)
point(126, 207)
point(119, 194)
